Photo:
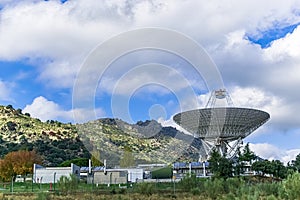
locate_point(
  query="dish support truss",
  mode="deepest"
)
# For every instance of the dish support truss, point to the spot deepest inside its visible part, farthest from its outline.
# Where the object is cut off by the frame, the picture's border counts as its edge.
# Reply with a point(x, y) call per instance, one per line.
point(225, 136)
point(223, 146)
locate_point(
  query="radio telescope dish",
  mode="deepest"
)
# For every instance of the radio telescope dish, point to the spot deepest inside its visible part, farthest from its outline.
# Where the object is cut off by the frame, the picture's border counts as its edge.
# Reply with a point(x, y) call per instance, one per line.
point(221, 128)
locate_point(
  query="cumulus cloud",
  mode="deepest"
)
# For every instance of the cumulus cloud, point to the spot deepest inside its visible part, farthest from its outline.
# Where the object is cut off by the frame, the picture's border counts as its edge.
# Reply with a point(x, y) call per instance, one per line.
point(284, 56)
point(59, 74)
point(68, 31)
point(44, 110)
point(271, 152)
point(284, 48)
point(60, 35)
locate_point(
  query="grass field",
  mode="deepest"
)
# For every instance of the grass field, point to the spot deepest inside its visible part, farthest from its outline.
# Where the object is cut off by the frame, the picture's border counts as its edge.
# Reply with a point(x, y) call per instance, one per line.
point(96, 196)
point(188, 188)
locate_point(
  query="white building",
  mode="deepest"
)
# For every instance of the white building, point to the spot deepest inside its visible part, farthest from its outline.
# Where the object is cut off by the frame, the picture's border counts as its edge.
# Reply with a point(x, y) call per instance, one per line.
point(50, 174)
point(117, 176)
point(135, 174)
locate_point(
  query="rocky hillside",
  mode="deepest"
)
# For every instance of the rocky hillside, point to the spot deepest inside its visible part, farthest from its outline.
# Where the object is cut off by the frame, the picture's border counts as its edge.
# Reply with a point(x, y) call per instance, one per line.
point(148, 141)
point(54, 141)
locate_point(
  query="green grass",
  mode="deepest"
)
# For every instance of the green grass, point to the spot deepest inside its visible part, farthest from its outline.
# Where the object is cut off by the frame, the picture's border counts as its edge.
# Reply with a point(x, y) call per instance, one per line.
point(190, 187)
point(25, 187)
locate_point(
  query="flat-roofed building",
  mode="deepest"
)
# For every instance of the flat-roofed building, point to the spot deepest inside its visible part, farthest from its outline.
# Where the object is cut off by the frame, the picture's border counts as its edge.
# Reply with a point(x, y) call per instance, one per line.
point(118, 176)
point(50, 174)
point(181, 169)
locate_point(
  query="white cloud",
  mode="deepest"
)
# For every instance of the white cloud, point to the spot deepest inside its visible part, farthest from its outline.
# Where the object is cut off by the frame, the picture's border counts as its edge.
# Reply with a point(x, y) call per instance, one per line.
point(252, 97)
point(60, 35)
point(5, 91)
point(60, 32)
point(59, 74)
point(44, 110)
point(284, 56)
point(271, 152)
point(170, 122)
point(284, 48)
point(160, 78)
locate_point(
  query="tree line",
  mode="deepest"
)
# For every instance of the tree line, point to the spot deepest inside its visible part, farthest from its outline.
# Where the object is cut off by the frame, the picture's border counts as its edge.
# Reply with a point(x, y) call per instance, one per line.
point(221, 166)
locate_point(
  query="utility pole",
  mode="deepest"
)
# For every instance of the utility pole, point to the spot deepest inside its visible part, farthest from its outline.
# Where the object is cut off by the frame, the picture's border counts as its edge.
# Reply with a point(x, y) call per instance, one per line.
point(54, 181)
point(12, 184)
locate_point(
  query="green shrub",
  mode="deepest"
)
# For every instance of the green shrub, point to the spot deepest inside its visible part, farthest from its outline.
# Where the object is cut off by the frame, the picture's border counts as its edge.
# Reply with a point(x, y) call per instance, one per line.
point(43, 196)
point(267, 189)
point(290, 187)
point(271, 197)
point(122, 191)
point(113, 191)
point(214, 188)
point(233, 185)
point(195, 191)
point(68, 183)
point(230, 196)
point(145, 188)
point(189, 181)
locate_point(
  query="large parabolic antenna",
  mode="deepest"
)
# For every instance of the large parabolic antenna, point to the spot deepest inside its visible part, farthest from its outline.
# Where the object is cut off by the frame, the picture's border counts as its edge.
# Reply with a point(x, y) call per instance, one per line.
point(221, 126)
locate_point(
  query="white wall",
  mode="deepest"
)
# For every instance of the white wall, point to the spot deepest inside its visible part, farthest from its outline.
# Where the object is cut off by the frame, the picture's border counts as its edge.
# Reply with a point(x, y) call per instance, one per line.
point(135, 174)
point(46, 174)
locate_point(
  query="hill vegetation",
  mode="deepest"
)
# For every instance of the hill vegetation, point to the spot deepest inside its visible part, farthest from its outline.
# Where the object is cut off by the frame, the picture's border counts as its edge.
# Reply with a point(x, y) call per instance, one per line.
point(54, 141)
point(146, 142)
point(109, 139)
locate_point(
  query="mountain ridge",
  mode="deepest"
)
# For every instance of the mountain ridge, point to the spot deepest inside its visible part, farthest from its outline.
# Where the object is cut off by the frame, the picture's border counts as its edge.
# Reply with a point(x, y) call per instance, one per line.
point(57, 142)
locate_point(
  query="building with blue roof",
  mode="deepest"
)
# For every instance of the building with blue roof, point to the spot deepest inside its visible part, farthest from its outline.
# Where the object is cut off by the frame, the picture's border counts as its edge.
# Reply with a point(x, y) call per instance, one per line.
point(181, 169)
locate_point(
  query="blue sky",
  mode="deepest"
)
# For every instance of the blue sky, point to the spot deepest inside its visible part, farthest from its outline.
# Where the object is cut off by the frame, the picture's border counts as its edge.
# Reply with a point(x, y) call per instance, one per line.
point(44, 44)
point(266, 37)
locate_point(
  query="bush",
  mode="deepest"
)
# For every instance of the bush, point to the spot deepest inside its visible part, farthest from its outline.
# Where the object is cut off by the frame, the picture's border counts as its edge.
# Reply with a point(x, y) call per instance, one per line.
point(214, 188)
point(233, 185)
point(145, 188)
point(188, 182)
point(11, 126)
point(43, 196)
point(230, 196)
point(195, 191)
point(66, 184)
point(290, 187)
point(10, 107)
point(271, 197)
point(267, 189)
